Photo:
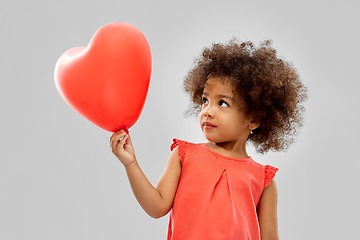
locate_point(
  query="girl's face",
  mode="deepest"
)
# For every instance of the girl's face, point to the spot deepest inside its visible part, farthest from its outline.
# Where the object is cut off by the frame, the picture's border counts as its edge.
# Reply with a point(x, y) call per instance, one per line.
point(220, 117)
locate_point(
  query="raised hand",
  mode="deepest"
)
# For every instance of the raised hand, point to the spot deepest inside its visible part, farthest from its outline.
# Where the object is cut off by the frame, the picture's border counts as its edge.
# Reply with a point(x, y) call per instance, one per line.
point(121, 146)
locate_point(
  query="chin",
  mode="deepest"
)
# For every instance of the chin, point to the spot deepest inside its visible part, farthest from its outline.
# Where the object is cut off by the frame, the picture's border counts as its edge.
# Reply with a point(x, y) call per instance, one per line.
point(213, 139)
point(218, 139)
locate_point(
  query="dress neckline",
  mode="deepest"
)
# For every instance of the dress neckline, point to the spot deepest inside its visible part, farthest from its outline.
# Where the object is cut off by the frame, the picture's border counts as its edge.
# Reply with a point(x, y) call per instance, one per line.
point(249, 158)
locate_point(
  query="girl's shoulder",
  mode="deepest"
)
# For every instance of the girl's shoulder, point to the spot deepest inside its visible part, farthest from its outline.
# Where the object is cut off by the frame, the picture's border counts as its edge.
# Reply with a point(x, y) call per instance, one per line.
point(182, 144)
point(177, 143)
point(186, 148)
point(270, 172)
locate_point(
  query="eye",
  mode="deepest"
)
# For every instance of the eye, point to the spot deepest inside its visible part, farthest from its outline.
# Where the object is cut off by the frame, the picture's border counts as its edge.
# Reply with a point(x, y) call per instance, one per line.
point(223, 104)
point(204, 100)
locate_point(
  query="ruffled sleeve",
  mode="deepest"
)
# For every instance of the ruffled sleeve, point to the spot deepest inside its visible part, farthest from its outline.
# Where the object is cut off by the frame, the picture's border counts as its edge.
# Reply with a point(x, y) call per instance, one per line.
point(182, 148)
point(270, 172)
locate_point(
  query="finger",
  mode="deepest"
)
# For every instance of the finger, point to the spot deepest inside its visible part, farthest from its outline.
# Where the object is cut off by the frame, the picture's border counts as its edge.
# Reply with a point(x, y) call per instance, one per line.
point(115, 134)
point(111, 138)
point(116, 139)
point(123, 141)
point(128, 140)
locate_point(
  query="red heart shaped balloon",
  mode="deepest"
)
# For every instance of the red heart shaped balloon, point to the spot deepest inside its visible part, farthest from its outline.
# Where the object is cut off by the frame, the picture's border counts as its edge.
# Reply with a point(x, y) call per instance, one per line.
point(107, 81)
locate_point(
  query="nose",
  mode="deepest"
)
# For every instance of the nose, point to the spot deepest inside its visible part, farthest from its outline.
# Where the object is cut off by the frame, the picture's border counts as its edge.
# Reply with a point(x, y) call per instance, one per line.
point(208, 111)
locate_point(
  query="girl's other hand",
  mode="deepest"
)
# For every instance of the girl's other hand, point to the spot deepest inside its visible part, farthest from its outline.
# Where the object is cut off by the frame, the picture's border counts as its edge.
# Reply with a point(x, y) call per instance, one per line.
point(121, 146)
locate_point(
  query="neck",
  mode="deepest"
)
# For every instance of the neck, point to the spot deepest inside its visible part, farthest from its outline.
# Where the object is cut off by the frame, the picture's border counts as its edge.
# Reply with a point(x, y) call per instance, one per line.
point(233, 148)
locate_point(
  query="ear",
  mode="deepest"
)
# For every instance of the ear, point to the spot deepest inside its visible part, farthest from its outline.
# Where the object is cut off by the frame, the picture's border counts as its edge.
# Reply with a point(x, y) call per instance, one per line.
point(254, 125)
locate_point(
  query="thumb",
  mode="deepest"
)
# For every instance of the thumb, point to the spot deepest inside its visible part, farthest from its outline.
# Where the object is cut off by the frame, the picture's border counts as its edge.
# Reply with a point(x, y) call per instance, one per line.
point(128, 139)
point(128, 146)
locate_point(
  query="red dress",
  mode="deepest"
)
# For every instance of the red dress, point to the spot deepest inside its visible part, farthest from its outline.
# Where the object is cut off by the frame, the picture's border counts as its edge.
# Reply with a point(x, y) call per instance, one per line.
point(217, 195)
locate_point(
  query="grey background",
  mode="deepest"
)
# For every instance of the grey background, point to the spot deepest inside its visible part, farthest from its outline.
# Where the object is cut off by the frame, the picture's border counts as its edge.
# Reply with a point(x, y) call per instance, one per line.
point(58, 177)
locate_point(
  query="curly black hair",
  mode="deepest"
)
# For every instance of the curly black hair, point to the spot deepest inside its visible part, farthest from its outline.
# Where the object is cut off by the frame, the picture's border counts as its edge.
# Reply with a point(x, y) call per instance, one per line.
point(269, 89)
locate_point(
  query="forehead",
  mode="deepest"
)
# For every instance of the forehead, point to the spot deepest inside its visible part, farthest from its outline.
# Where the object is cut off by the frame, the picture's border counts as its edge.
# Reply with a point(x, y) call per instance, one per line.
point(219, 86)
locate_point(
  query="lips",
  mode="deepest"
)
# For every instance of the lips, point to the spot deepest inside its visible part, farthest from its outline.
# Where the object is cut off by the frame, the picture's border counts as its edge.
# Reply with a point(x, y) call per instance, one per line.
point(208, 125)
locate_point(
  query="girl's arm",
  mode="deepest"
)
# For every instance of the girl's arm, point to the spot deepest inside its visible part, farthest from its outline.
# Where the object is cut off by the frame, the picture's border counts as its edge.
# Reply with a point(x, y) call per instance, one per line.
point(267, 213)
point(158, 201)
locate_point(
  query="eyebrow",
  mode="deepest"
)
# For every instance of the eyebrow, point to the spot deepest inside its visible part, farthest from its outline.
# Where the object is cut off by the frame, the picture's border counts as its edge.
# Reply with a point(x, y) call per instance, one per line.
point(219, 95)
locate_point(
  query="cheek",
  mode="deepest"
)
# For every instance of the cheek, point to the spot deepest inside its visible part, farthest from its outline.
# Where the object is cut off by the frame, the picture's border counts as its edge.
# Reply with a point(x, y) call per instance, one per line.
point(201, 116)
point(201, 120)
point(235, 123)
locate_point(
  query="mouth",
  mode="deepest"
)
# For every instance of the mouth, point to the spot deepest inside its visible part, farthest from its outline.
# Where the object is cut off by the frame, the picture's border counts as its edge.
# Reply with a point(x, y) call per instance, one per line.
point(208, 125)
